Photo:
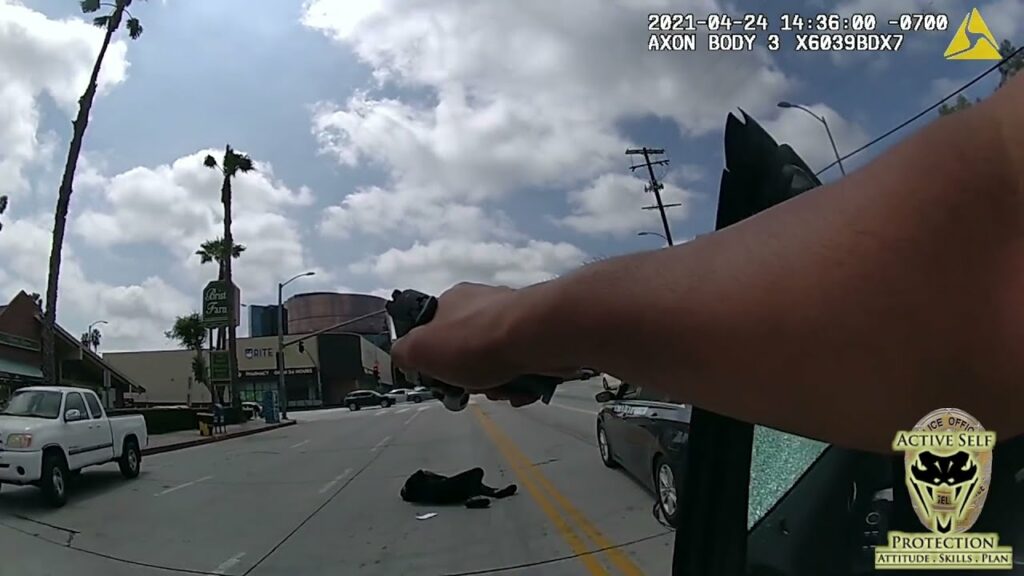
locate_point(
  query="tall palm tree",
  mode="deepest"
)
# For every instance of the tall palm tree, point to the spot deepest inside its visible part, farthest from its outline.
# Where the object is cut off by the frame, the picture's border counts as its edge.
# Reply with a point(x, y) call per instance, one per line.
point(215, 251)
point(111, 22)
point(191, 334)
point(233, 164)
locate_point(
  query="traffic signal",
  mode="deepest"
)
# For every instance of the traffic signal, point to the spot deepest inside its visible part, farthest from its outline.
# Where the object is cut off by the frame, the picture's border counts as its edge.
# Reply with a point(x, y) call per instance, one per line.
point(376, 373)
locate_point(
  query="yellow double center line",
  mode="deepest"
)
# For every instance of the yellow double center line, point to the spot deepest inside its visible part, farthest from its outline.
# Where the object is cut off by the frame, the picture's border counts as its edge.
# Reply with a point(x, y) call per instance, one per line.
point(562, 514)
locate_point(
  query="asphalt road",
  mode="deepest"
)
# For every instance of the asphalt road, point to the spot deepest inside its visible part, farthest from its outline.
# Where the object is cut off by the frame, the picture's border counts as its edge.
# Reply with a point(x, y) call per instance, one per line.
point(322, 497)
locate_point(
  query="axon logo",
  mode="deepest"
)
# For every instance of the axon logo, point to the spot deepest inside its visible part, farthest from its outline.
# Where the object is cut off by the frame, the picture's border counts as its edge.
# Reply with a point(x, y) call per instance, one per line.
point(251, 353)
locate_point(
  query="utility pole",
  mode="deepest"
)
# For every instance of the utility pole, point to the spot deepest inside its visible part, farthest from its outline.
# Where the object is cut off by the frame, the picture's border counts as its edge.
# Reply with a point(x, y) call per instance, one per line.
point(654, 185)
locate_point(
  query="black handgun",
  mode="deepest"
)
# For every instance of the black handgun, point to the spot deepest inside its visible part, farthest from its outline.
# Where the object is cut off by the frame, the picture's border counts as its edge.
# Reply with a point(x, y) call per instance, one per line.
point(408, 309)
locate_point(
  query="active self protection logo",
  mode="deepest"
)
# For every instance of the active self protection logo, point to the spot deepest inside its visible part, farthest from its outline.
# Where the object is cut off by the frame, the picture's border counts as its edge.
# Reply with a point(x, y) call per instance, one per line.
point(948, 470)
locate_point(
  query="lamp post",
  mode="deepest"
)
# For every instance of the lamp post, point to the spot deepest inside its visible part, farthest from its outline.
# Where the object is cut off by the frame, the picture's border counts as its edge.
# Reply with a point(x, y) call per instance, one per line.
point(282, 392)
point(835, 149)
point(662, 236)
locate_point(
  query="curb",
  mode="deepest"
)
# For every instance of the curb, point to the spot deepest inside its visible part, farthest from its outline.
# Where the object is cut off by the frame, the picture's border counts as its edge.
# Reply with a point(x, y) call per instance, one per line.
point(213, 439)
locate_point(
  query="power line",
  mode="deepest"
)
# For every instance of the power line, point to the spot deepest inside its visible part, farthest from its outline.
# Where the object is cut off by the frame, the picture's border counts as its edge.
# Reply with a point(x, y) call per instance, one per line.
point(925, 111)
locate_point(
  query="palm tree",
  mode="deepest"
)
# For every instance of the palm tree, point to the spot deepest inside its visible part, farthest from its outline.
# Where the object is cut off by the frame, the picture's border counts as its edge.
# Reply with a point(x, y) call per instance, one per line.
point(215, 251)
point(3, 208)
point(92, 339)
point(191, 334)
point(111, 23)
point(233, 164)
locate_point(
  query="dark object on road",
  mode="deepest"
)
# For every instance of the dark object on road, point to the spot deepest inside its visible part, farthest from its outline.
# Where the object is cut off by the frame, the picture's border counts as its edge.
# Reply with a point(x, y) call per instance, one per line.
point(645, 433)
point(359, 398)
point(467, 488)
point(408, 309)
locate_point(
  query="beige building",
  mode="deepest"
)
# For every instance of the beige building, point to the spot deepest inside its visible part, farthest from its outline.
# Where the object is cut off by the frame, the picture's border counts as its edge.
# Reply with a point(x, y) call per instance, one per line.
point(348, 363)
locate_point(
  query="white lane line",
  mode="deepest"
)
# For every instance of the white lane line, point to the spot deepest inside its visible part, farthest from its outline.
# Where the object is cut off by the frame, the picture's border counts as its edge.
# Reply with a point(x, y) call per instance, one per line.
point(382, 411)
point(340, 477)
point(303, 443)
point(581, 410)
point(381, 443)
point(229, 563)
point(403, 410)
point(185, 485)
point(413, 417)
point(422, 408)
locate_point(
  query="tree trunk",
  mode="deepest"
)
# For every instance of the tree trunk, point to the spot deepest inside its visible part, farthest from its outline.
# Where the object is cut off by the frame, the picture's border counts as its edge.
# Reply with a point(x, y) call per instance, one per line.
point(60, 218)
point(232, 344)
point(221, 342)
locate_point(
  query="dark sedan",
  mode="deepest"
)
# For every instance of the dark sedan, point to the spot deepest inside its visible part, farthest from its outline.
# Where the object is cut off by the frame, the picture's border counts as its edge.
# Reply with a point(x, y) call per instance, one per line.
point(359, 398)
point(645, 435)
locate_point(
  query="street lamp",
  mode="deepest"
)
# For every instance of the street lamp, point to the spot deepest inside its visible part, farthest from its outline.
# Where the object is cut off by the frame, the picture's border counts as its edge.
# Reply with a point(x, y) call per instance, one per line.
point(662, 236)
point(835, 149)
point(282, 392)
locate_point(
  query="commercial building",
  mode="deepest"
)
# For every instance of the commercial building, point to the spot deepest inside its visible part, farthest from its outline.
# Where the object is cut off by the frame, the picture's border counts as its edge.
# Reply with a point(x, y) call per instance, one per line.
point(316, 311)
point(21, 359)
point(319, 373)
point(263, 320)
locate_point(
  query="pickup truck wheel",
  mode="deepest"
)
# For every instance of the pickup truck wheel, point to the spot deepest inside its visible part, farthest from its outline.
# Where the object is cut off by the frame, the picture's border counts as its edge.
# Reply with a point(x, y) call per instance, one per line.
point(385, 403)
point(131, 459)
point(417, 399)
point(54, 479)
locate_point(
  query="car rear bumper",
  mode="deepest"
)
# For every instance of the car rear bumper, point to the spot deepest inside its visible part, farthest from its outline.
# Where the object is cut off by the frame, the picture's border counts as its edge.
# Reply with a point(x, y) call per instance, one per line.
point(20, 467)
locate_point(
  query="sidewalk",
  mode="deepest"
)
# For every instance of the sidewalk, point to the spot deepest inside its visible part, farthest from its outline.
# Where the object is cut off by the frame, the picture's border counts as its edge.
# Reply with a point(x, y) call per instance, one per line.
point(188, 438)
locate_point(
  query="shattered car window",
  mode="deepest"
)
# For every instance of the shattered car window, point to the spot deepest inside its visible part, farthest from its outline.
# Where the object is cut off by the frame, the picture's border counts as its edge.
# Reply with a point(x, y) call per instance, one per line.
point(777, 461)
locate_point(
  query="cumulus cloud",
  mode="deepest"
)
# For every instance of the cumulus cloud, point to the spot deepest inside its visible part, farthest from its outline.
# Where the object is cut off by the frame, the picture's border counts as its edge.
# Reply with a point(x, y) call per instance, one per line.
point(41, 56)
point(436, 266)
point(177, 206)
point(137, 314)
point(612, 205)
point(486, 100)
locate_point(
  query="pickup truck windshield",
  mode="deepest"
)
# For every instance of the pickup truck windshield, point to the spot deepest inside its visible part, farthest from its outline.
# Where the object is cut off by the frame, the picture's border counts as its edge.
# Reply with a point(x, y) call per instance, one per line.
point(34, 404)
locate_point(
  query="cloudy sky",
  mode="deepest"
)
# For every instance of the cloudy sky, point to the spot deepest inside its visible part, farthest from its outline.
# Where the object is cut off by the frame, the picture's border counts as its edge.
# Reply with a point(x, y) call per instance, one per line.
point(411, 143)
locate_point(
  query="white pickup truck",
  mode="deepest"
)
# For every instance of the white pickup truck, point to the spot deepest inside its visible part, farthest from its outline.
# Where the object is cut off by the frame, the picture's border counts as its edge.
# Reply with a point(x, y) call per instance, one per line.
point(48, 434)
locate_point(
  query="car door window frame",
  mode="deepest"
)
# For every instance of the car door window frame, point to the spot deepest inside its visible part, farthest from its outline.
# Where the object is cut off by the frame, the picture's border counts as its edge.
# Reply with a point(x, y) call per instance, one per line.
point(97, 411)
point(83, 411)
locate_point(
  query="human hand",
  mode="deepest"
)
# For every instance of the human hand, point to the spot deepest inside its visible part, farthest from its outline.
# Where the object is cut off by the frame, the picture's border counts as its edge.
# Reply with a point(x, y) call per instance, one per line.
point(470, 342)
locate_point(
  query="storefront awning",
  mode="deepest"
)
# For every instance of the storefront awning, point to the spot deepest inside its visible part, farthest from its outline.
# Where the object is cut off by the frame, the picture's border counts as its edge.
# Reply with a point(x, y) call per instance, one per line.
point(19, 370)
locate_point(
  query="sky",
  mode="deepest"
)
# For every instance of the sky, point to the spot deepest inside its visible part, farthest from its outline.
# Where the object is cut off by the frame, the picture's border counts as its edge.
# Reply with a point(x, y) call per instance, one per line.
point(405, 144)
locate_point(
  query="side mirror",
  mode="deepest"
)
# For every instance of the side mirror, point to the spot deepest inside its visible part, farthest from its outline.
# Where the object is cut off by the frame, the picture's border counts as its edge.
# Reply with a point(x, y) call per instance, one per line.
point(605, 385)
point(72, 415)
point(605, 396)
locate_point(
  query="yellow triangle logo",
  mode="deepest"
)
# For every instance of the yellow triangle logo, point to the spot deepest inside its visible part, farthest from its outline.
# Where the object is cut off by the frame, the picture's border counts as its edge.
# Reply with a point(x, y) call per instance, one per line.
point(983, 46)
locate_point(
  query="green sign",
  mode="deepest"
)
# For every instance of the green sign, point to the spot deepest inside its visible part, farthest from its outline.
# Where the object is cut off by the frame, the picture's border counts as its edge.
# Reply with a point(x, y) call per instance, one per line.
point(215, 304)
point(220, 366)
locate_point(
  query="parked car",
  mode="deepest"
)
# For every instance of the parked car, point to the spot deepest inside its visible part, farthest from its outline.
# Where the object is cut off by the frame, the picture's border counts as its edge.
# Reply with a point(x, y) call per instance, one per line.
point(254, 407)
point(359, 398)
point(645, 435)
point(48, 434)
point(416, 395)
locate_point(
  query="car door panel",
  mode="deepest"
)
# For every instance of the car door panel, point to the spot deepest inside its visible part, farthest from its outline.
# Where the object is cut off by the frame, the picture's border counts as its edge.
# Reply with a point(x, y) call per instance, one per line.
point(79, 432)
